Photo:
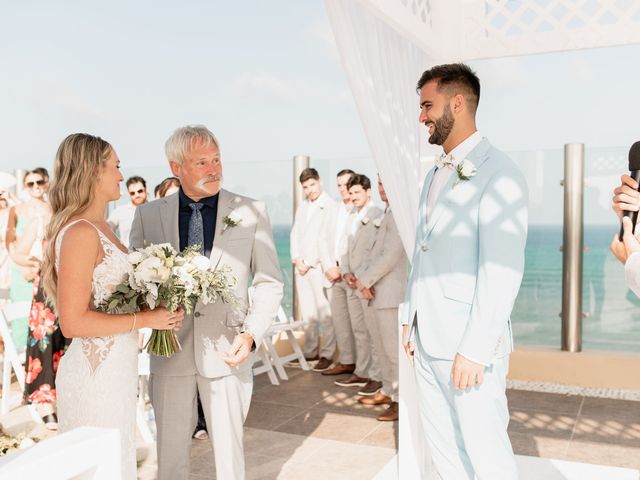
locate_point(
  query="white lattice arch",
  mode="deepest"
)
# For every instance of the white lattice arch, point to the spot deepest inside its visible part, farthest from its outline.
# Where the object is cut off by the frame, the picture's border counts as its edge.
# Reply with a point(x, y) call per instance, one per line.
point(386, 44)
point(476, 29)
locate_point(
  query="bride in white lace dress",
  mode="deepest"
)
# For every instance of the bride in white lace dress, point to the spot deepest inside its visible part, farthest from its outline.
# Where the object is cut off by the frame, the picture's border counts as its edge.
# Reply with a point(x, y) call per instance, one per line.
point(97, 376)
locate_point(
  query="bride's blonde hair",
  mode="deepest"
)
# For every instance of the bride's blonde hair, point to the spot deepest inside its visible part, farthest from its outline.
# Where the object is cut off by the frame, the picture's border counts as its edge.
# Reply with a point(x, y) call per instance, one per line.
point(78, 162)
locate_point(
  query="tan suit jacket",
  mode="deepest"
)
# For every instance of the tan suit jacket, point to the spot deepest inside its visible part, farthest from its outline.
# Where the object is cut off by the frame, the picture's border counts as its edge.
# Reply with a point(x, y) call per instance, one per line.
point(307, 229)
point(249, 251)
point(387, 266)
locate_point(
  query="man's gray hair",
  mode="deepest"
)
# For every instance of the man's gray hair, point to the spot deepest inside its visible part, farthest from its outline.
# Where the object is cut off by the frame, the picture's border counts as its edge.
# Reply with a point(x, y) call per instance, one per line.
point(179, 144)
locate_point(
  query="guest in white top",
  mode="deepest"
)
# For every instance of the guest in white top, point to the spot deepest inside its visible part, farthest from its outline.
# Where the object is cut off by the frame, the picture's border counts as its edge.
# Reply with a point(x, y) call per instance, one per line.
point(626, 198)
point(122, 217)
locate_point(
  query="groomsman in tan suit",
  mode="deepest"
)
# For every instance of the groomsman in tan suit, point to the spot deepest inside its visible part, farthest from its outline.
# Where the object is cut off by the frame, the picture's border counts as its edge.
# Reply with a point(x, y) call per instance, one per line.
point(362, 232)
point(383, 279)
point(333, 246)
point(310, 220)
point(217, 339)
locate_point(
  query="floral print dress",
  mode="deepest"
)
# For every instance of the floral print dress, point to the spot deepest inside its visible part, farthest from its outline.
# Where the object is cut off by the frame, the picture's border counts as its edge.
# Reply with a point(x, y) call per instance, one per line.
point(45, 347)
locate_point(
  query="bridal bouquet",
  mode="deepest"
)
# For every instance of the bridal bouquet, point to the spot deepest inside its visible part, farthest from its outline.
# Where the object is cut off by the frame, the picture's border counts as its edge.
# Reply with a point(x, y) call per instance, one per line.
point(159, 275)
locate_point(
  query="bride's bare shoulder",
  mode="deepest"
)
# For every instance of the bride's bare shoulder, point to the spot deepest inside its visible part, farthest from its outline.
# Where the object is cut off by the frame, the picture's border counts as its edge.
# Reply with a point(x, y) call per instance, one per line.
point(79, 234)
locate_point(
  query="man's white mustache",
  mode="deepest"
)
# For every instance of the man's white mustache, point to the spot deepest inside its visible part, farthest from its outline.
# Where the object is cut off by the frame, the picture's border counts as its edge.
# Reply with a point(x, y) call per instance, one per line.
point(207, 179)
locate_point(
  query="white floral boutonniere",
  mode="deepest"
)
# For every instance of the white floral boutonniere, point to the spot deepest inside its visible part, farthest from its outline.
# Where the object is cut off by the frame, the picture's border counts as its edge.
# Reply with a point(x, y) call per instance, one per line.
point(377, 222)
point(230, 221)
point(465, 171)
point(364, 221)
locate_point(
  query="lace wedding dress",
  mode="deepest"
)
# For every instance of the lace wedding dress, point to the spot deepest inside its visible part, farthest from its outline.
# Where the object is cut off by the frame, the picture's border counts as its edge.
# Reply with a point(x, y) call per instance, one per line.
point(97, 376)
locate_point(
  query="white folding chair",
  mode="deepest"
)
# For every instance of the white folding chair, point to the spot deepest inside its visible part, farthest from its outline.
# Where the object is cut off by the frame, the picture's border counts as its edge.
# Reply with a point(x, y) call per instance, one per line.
point(262, 356)
point(286, 326)
point(13, 358)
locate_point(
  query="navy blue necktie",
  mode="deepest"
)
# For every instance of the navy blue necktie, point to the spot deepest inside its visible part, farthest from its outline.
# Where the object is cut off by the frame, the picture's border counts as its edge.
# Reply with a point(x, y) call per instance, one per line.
point(196, 227)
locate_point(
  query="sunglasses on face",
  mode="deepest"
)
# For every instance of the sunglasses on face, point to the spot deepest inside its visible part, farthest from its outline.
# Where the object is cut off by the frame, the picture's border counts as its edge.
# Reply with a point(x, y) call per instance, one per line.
point(40, 183)
point(136, 191)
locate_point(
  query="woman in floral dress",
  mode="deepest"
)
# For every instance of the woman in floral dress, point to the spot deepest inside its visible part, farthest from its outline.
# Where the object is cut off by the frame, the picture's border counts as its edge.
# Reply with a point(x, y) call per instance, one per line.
point(45, 342)
point(45, 347)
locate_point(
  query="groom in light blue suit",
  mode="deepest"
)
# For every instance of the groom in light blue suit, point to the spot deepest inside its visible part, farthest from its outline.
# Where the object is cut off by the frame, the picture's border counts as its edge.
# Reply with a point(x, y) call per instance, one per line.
point(466, 270)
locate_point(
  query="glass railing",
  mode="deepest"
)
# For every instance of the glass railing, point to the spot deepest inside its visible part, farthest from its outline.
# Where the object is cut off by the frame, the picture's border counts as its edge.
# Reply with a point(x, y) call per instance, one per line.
point(536, 314)
point(612, 311)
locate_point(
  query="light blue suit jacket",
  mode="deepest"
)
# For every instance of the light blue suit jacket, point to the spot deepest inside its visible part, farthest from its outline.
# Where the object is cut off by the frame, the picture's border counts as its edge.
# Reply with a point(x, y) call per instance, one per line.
point(468, 261)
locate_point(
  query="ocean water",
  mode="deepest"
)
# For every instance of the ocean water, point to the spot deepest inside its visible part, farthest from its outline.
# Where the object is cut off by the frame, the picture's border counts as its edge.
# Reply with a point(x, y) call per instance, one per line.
point(612, 312)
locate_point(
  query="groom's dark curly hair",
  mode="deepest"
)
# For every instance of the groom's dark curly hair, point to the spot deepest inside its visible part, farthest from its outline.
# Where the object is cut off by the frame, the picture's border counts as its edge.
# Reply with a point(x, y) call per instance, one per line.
point(454, 79)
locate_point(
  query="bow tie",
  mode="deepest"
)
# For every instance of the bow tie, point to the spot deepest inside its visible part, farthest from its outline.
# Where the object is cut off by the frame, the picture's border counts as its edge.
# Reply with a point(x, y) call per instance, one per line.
point(446, 161)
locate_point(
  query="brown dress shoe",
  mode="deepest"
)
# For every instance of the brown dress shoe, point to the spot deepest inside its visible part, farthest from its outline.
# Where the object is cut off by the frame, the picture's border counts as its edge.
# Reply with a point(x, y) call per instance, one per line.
point(390, 414)
point(340, 369)
point(352, 381)
point(378, 399)
point(322, 365)
point(371, 388)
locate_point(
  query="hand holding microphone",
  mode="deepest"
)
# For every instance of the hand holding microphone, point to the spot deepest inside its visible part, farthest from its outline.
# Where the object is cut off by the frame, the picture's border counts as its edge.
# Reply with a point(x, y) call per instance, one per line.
point(626, 204)
point(626, 198)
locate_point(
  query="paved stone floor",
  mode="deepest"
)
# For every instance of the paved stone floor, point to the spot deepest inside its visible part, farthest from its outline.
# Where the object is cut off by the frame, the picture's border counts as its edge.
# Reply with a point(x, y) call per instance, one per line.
point(574, 427)
point(308, 428)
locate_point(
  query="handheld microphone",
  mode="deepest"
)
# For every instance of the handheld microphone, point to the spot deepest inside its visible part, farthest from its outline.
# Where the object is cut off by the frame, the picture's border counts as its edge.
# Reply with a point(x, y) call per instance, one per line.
point(634, 172)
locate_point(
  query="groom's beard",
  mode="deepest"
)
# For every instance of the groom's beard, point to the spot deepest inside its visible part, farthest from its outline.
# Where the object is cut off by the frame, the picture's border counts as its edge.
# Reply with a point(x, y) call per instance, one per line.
point(442, 127)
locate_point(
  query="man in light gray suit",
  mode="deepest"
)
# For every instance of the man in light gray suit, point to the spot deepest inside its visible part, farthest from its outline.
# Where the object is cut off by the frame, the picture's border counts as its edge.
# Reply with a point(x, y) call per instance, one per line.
point(310, 220)
point(333, 245)
point(362, 232)
point(466, 270)
point(382, 280)
point(217, 339)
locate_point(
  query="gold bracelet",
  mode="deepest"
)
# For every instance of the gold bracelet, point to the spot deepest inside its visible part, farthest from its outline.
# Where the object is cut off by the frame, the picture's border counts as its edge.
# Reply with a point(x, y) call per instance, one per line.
point(133, 325)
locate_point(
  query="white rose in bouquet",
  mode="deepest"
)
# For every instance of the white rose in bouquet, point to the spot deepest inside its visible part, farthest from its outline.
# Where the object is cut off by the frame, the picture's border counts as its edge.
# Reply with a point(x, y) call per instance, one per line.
point(201, 262)
point(135, 258)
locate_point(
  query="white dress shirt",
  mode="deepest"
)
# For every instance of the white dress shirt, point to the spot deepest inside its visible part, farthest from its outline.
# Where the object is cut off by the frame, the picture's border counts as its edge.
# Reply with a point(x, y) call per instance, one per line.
point(344, 210)
point(359, 216)
point(442, 175)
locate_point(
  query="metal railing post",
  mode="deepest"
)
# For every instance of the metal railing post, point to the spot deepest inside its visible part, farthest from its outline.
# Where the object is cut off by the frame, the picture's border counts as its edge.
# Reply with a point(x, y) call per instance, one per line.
point(573, 247)
point(300, 162)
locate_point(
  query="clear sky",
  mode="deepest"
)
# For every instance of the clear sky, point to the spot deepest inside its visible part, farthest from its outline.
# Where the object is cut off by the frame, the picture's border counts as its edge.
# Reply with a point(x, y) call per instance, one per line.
point(266, 78)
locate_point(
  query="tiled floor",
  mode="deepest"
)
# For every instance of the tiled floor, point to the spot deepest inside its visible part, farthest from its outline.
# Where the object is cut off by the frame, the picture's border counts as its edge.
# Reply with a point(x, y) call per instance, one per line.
point(576, 428)
point(308, 428)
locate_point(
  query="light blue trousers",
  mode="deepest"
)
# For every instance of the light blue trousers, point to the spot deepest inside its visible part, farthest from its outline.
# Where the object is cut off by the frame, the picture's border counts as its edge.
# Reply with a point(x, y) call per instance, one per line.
point(466, 430)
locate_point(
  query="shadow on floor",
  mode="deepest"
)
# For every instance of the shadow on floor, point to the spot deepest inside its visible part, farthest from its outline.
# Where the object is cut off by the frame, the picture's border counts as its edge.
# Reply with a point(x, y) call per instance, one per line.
point(307, 427)
point(577, 428)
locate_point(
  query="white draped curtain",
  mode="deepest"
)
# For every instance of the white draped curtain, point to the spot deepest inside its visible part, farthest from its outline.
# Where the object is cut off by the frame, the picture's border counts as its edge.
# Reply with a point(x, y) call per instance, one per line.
point(383, 69)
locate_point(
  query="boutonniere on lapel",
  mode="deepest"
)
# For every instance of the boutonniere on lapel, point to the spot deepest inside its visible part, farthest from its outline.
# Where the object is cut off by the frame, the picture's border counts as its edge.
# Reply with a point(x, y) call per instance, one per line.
point(465, 171)
point(364, 221)
point(377, 222)
point(230, 221)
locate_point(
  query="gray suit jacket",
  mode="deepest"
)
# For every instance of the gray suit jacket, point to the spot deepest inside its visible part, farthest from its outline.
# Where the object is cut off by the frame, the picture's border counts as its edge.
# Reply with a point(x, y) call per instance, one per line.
point(249, 251)
point(387, 266)
point(306, 230)
point(359, 245)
